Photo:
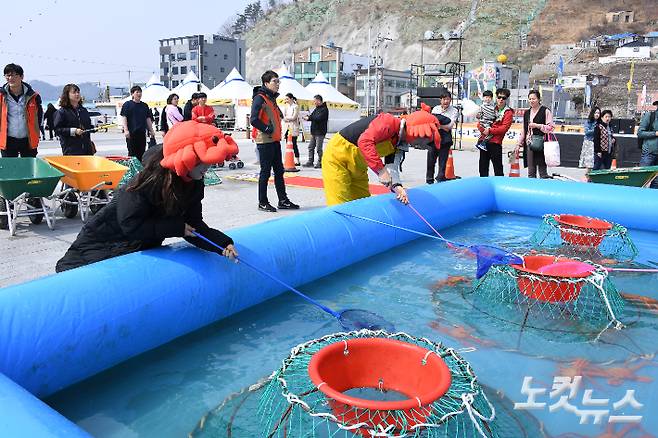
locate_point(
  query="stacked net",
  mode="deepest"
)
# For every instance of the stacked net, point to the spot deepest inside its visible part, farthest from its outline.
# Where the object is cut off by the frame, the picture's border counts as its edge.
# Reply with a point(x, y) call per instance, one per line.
point(289, 404)
point(211, 178)
point(551, 292)
point(132, 163)
point(584, 236)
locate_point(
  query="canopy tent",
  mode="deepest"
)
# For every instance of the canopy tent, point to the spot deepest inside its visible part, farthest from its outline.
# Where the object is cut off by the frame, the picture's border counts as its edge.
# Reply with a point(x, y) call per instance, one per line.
point(191, 84)
point(342, 109)
point(288, 84)
point(154, 93)
point(235, 91)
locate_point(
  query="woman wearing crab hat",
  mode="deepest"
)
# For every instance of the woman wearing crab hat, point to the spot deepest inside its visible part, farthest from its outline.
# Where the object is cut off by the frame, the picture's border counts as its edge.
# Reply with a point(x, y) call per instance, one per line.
point(163, 200)
point(362, 145)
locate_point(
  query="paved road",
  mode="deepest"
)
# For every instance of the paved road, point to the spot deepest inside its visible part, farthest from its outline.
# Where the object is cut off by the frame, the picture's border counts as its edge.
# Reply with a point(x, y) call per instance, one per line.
point(33, 252)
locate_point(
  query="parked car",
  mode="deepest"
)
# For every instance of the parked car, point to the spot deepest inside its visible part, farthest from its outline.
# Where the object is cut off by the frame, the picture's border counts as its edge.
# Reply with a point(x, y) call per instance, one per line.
point(99, 119)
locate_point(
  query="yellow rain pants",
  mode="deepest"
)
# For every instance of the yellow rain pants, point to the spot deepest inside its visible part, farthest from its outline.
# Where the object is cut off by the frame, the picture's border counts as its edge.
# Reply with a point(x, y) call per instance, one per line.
point(344, 170)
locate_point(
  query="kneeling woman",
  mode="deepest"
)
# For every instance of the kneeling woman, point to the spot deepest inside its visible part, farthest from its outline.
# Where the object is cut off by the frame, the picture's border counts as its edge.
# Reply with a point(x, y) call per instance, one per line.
point(163, 200)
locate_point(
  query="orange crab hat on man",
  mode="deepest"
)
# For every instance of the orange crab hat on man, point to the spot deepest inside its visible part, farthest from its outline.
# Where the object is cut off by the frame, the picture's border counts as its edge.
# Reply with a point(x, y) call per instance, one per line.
point(188, 144)
point(422, 124)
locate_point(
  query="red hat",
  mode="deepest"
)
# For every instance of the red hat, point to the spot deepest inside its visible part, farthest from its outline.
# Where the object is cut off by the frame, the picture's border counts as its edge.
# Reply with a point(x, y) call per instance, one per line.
point(190, 143)
point(422, 124)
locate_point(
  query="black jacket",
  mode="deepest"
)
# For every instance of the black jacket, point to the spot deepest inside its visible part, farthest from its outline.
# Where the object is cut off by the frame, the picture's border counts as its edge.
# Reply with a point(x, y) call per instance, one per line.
point(446, 136)
point(187, 111)
point(132, 222)
point(49, 115)
point(67, 118)
point(257, 103)
point(319, 118)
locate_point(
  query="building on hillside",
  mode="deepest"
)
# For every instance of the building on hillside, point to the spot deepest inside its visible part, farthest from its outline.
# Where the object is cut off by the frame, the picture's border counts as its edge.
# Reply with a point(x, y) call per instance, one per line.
point(337, 66)
point(572, 81)
point(387, 88)
point(210, 57)
point(618, 17)
point(651, 38)
point(631, 51)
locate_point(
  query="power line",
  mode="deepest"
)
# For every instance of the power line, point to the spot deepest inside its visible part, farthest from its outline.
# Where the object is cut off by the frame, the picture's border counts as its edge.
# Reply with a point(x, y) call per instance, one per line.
point(75, 60)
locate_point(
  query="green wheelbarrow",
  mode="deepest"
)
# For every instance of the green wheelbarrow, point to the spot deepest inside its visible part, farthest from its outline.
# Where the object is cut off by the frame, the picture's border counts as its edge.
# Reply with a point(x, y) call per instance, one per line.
point(630, 176)
point(25, 185)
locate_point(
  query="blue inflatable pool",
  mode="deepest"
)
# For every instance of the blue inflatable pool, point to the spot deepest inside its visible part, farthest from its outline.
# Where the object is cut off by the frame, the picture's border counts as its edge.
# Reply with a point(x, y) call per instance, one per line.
point(61, 329)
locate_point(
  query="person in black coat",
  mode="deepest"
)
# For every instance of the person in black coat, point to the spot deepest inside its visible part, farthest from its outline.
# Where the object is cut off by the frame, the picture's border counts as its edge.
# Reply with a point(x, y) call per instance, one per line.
point(319, 118)
point(71, 121)
point(49, 115)
point(157, 203)
point(187, 109)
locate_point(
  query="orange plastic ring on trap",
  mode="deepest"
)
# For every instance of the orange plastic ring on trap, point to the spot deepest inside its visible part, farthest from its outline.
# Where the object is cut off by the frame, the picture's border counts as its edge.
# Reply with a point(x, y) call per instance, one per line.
point(582, 230)
point(546, 278)
point(380, 363)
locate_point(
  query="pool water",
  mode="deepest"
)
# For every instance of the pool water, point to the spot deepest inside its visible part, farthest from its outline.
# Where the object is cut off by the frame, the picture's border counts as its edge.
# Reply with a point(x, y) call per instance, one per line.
point(423, 288)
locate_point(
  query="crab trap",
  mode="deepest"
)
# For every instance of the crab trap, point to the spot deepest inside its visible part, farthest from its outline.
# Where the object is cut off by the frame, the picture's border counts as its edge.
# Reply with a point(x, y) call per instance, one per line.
point(360, 384)
point(573, 235)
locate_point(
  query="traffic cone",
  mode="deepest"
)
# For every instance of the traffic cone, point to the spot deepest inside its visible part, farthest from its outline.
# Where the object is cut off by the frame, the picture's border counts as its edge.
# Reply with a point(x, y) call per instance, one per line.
point(289, 161)
point(515, 170)
point(614, 163)
point(450, 167)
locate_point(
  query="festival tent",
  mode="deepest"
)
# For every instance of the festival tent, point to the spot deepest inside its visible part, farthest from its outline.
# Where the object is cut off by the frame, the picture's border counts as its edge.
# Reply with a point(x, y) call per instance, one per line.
point(288, 84)
point(342, 109)
point(154, 93)
point(191, 84)
point(236, 92)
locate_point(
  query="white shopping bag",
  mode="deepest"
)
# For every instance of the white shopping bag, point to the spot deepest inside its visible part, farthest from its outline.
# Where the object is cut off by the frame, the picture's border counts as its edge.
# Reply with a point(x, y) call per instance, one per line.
point(552, 151)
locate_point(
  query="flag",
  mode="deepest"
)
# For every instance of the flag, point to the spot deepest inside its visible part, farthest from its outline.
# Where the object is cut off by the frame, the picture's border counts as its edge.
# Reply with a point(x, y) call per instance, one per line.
point(629, 84)
point(588, 95)
point(560, 73)
point(644, 95)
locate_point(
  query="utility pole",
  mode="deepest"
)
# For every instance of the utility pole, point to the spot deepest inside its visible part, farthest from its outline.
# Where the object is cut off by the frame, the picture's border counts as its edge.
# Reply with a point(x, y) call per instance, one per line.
point(368, 79)
point(130, 81)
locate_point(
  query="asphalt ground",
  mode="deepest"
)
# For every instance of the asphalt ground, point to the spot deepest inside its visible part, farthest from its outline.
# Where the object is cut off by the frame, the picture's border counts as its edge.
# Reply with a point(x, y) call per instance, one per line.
point(34, 250)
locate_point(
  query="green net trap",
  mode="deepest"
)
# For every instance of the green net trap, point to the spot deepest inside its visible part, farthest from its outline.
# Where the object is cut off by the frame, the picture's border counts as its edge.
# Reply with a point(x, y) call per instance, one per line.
point(548, 289)
point(360, 384)
point(133, 165)
point(584, 236)
point(211, 178)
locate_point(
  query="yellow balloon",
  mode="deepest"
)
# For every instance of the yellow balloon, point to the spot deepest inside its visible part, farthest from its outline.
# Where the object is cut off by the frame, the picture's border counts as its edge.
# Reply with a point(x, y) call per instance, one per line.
point(502, 58)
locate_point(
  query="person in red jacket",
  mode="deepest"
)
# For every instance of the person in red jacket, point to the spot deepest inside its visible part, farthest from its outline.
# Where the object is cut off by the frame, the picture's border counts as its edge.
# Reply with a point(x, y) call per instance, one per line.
point(203, 113)
point(494, 146)
point(361, 145)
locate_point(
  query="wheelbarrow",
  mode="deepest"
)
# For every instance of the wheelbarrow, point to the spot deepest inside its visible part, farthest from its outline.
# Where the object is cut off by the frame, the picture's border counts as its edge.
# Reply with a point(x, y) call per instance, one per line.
point(88, 183)
point(629, 176)
point(25, 184)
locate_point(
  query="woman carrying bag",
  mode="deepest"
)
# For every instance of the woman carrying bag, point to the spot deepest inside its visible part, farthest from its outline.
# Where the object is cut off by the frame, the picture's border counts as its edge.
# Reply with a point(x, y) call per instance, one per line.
point(537, 122)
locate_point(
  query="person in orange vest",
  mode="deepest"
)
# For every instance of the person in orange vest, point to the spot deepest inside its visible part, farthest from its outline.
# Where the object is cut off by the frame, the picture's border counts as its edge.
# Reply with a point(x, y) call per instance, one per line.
point(362, 145)
point(19, 115)
point(266, 119)
point(203, 113)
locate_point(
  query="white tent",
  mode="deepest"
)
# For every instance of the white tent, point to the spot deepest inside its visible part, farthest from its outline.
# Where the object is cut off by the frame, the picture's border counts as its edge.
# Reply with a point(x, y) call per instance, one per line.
point(288, 84)
point(154, 93)
point(342, 109)
point(190, 85)
point(235, 91)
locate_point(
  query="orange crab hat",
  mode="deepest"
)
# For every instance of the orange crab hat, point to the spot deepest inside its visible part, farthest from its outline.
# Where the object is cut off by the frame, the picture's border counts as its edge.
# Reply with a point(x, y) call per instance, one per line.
point(190, 143)
point(422, 124)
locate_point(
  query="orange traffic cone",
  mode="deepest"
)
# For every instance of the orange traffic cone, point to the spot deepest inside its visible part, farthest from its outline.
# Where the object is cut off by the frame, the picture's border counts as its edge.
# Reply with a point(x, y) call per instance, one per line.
point(289, 161)
point(450, 167)
point(515, 170)
point(614, 163)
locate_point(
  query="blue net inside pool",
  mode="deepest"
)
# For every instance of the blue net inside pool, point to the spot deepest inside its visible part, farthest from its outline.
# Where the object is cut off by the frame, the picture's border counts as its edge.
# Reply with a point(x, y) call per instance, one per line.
point(424, 289)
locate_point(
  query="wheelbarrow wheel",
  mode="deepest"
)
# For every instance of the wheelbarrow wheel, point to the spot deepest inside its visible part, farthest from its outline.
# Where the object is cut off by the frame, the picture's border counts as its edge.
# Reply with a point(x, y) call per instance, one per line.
point(231, 166)
point(36, 218)
point(95, 208)
point(70, 209)
point(4, 220)
point(240, 164)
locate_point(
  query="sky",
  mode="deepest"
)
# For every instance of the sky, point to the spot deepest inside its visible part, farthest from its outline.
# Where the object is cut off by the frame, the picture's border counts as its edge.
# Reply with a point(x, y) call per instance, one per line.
point(62, 41)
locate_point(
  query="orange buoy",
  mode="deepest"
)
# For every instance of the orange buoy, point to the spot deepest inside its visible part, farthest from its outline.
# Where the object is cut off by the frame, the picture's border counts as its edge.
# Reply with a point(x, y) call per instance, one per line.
point(546, 278)
point(582, 230)
point(380, 364)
